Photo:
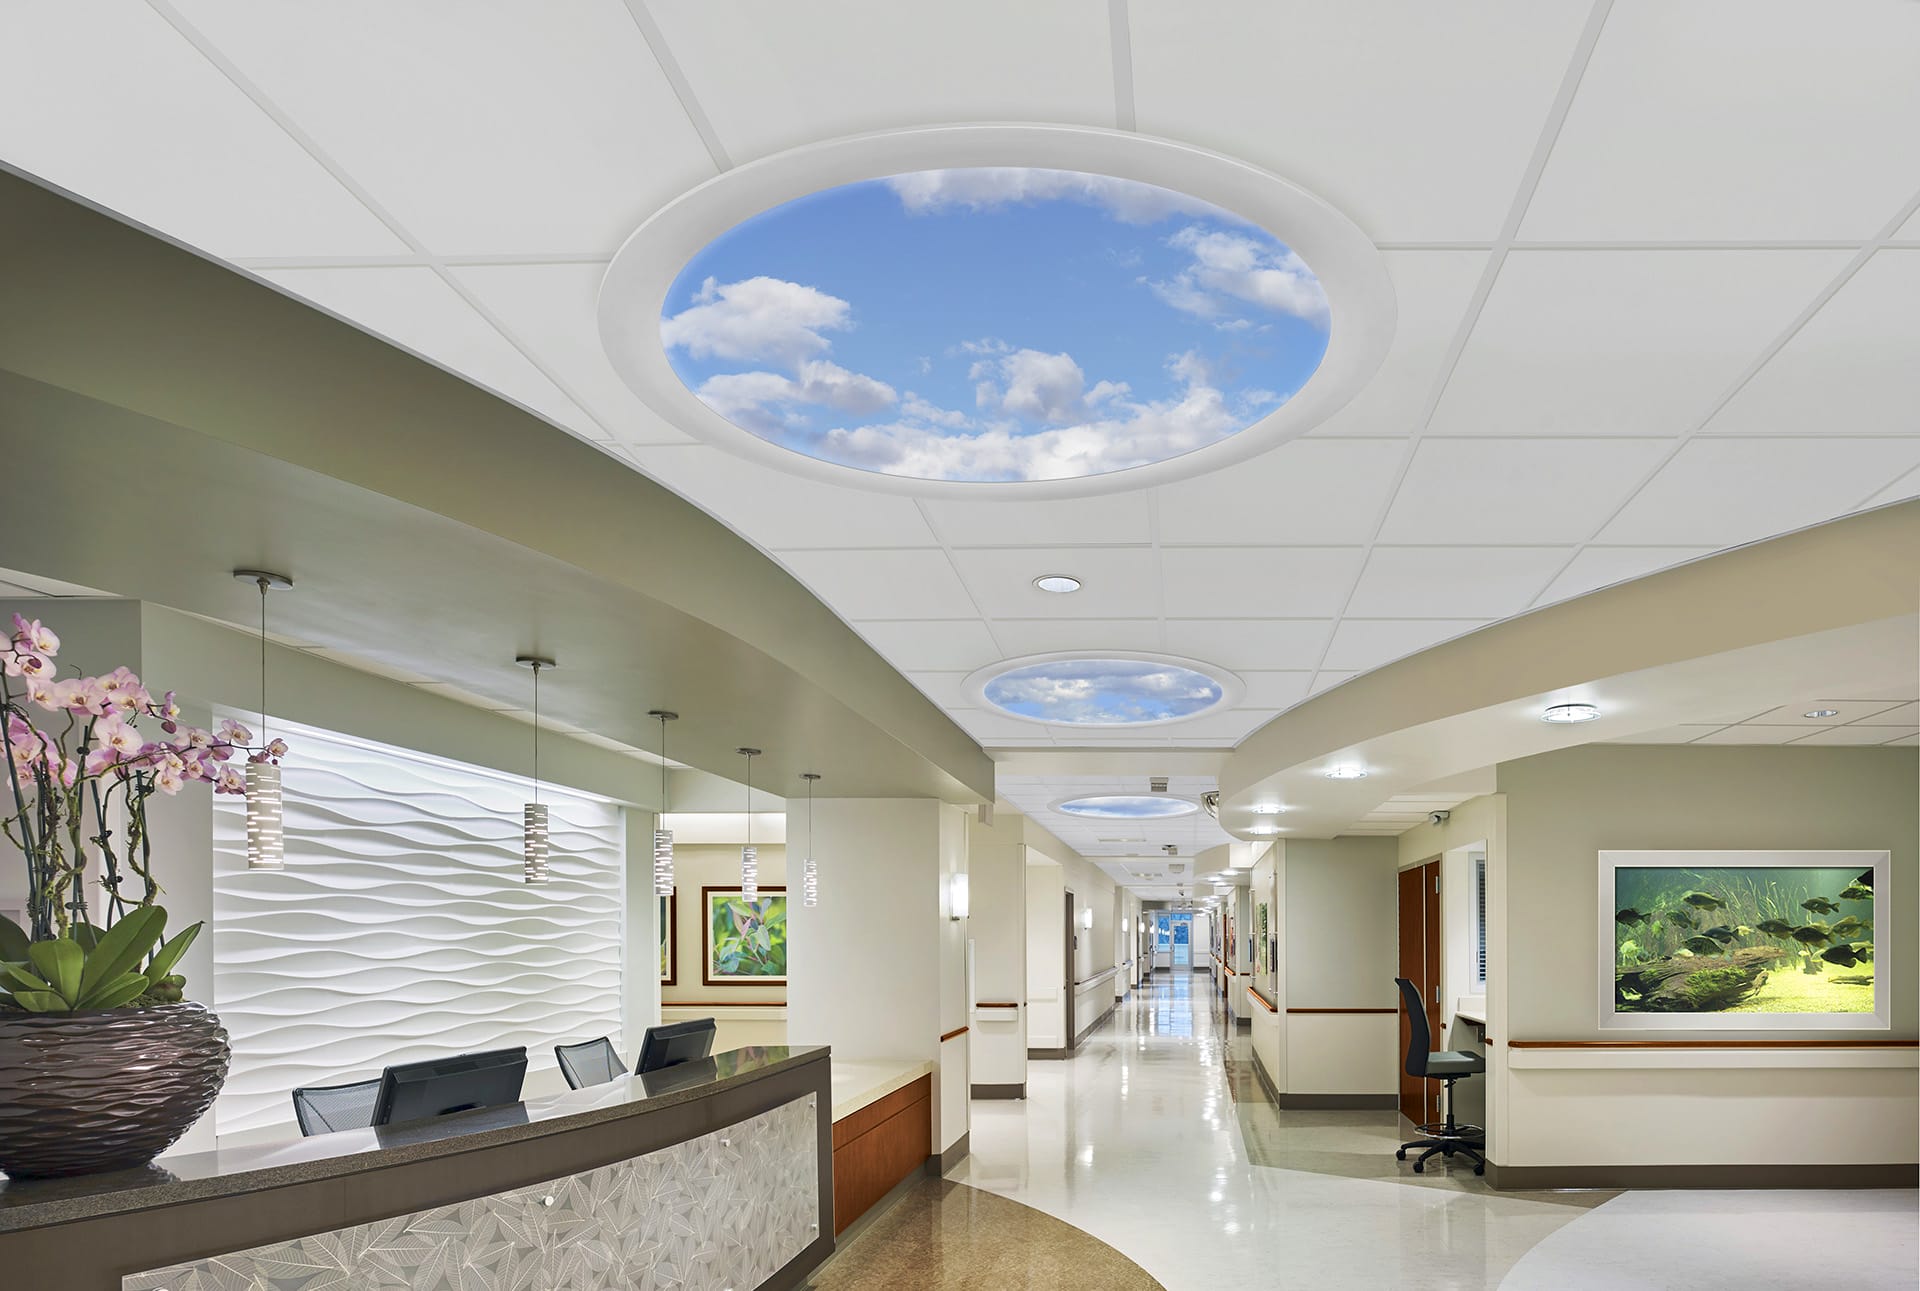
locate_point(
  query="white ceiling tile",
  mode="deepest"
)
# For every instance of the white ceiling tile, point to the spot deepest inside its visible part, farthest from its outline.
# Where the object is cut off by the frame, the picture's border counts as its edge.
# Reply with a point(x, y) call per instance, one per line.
point(551, 308)
point(1907, 486)
point(781, 511)
point(1671, 735)
point(1361, 644)
point(983, 724)
point(1910, 231)
point(1115, 582)
point(1737, 119)
point(108, 100)
point(935, 645)
point(1850, 370)
point(1517, 490)
point(1854, 735)
point(1258, 644)
point(1453, 582)
point(943, 688)
point(1434, 290)
point(1308, 490)
point(482, 128)
point(1051, 636)
point(1276, 689)
point(1290, 582)
point(415, 307)
point(1597, 567)
point(883, 584)
point(1728, 491)
point(1327, 679)
point(770, 75)
point(1904, 715)
point(1752, 735)
point(1844, 710)
point(1417, 121)
point(1233, 724)
point(1113, 519)
point(1622, 342)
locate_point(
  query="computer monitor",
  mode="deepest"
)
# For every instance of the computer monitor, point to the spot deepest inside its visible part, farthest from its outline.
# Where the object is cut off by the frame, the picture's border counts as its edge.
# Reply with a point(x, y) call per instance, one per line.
point(669, 1046)
point(414, 1091)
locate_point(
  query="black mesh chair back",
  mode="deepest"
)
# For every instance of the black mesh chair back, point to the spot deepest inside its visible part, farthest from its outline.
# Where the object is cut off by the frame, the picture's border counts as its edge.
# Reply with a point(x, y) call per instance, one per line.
point(321, 1109)
point(591, 1062)
point(1419, 1038)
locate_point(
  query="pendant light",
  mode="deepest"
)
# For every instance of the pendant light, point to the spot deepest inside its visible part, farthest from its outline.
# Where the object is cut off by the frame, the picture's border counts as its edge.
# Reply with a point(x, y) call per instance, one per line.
point(809, 868)
point(749, 857)
point(663, 837)
point(536, 843)
point(266, 807)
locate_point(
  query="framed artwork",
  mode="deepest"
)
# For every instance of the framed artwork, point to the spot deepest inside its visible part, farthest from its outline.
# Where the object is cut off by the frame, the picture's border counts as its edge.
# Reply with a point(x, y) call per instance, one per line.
point(667, 921)
point(1261, 942)
point(1735, 940)
point(745, 941)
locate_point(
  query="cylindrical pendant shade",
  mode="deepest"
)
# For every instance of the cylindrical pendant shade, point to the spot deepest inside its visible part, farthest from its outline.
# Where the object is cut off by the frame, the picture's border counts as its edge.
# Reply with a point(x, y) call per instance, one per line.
point(750, 872)
point(809, 882)
point(663, 862)
point(536, 843)
point(266, 835)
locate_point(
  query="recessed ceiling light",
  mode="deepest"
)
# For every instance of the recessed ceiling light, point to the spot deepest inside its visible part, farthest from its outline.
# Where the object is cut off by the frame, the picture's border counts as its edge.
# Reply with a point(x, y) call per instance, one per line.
point(1570, 713)
point(1824, 712)
point(1347, 771)
point(1264, 830)
point(1267, 809)
point(1060, 584)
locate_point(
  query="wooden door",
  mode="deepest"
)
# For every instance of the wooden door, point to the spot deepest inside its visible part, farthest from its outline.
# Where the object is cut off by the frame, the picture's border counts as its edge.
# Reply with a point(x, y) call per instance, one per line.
point(1420, 964)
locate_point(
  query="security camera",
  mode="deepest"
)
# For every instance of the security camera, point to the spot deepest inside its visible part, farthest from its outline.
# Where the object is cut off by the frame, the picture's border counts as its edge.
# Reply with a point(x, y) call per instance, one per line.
point(1439, 817)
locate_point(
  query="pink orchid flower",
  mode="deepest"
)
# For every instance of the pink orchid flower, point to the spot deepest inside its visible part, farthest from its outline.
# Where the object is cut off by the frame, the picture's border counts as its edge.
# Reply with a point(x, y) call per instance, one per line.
point(117, 733)
point(230, 781)
point(25, 663)
point(35, 636)
point(231, 732)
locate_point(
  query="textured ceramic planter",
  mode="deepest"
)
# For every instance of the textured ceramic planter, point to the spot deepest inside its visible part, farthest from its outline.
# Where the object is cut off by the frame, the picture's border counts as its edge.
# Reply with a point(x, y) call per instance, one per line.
point(86, 1092)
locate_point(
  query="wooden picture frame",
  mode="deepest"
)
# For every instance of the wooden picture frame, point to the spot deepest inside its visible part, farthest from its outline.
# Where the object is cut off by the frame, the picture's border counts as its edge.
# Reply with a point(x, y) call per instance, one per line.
point(667, 913)
point(769, 895)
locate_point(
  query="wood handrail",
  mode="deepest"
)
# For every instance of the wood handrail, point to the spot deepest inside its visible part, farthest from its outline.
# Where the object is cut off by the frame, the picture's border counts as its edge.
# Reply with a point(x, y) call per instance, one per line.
point(951, 1034)
point(1343, 1010)
point(1228, 971)
point(996, 1004)
point(1264, 1001)
point(1713, 1044)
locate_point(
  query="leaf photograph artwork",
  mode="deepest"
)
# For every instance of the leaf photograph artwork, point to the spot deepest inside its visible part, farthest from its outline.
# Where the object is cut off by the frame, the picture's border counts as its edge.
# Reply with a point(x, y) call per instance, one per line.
point(746, 941)
point(667, 923)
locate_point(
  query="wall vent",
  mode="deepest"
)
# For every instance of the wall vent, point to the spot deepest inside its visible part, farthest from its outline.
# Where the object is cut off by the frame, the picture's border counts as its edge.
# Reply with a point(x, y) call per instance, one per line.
point(1158, 784)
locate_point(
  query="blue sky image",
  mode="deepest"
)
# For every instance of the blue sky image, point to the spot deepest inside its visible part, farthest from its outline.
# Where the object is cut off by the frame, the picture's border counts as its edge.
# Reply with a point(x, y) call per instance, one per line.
point(1103, 692)
point(1118, 807)
point(995, 324)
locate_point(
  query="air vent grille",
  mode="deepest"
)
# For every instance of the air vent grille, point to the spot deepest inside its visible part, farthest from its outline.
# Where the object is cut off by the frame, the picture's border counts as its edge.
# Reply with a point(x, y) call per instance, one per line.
point(1158, 784)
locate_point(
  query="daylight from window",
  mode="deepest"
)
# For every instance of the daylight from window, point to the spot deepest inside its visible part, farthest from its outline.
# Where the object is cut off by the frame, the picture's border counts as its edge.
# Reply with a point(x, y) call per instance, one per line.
point(1103, 692)
point(995, 324)
point(1128, 807)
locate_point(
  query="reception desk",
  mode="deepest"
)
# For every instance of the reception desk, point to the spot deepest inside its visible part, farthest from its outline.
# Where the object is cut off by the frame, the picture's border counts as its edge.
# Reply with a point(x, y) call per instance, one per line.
point(713, 1175)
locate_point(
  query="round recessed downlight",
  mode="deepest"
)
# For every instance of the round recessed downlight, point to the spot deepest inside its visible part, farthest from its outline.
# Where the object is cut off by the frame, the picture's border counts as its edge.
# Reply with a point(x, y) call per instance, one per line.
point(1347, 771)
point(1267, 808)
point(1058, 584)
point(1824, 712)
point(1570, 713)
point(1264, 831)
point(1121, 806)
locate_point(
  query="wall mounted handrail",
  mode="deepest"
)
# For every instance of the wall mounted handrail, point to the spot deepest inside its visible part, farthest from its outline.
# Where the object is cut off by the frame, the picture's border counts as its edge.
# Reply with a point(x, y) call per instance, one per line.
point(1096, 979)
point(1293, 1010)
point(1713, 1044)
point(1265, 1003)
point(951, 1034)
point(996, 1004)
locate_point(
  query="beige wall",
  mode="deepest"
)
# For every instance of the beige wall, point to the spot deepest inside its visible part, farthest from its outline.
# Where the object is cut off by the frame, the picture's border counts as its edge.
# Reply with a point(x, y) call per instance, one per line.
point(997, 866)
point(1339, 941)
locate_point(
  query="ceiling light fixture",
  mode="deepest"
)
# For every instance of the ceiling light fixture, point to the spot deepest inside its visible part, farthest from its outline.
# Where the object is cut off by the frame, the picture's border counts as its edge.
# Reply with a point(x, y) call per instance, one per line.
point(809, 868)
point(1823, 712)
point(749, 855)
point(663, 837)
point(536, 838)
point(266, 805)
point(957, 905)
point(1563, 713)
point(1347, 771)
point(1267, 808)
point(1265, 831)
point(1058, 584)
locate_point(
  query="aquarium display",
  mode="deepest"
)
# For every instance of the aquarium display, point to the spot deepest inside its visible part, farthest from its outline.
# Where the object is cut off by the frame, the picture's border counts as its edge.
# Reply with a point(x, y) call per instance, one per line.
point(1745, 942)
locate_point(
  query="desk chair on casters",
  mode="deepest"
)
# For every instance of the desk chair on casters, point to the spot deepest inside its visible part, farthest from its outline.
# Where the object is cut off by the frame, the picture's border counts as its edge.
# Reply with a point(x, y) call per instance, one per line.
point(1447, 1138)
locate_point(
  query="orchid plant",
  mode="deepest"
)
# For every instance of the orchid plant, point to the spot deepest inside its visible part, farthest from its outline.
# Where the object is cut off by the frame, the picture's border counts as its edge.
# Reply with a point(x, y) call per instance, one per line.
point(78, 764)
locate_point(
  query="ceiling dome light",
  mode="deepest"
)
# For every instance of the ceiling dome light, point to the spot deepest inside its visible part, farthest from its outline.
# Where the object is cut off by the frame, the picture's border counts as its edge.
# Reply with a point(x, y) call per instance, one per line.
point(1121, 806)
point(1570, 713)
point(1823, 712)
point(1085, 690)
point(1058, 584)
point(1347, 771)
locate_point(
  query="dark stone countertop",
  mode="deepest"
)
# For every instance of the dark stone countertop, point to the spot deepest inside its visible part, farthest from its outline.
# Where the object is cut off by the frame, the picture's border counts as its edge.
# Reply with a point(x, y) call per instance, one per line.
point(196, 1176)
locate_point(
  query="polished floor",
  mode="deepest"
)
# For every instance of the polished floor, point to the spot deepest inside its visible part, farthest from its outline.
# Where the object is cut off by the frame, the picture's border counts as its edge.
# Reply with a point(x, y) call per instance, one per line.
point(1155, 1140)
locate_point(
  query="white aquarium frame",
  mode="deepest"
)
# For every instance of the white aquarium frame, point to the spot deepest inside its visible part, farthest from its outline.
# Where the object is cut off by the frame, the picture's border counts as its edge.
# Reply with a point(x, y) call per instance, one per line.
point(1880, 1019)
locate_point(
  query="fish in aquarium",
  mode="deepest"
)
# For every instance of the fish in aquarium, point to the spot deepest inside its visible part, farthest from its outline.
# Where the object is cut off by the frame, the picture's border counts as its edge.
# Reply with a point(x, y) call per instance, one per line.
point(1819, 905)
point(1721, 934)
point(1630, 916)
point(1812, 934)
point(1847, 954)
point(1856, 891)
point(1683, 919)
point(1702, 945)
point(1847, 927)
point(1703, 901)
point(1775, 927)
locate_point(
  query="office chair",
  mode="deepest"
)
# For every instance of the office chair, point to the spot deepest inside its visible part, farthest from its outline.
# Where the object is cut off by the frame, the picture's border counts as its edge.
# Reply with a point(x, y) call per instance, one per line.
point(591, 1062)
point(321, 1109)
point(1445, 1137)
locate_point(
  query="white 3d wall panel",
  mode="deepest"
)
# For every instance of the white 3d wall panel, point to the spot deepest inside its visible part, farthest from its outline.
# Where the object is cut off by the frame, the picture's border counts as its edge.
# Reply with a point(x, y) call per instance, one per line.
point(400, 928)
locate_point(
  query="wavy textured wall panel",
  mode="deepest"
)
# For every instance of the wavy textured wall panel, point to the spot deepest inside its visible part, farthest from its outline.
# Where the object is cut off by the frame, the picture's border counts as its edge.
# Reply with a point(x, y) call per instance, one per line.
point(400, 929)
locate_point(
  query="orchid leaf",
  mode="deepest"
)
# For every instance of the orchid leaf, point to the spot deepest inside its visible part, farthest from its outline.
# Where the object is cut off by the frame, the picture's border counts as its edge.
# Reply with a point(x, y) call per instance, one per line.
point(21, 977)
point(168, 955)
point(13, 940)
point(40, 1002)
point(121, 990)
point(123, 946)
point(88, 936)
point(60, 961)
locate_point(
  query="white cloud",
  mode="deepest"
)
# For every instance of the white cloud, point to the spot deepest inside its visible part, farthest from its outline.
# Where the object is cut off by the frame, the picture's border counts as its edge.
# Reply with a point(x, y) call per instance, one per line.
point(759, 401)
point(915, 408)
point(1227, 267)
point(757, 319)
point(1103, 691)
point(985, 188)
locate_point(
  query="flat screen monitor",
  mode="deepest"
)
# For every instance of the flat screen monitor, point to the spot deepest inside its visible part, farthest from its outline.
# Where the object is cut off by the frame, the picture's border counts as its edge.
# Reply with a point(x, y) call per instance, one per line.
point(415, 1091)
point(669, 1046)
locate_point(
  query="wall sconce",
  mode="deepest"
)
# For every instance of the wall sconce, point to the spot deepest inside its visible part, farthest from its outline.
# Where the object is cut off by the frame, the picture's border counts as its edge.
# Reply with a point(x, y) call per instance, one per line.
point(1086, 917)
point(957, 905)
